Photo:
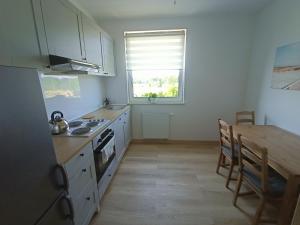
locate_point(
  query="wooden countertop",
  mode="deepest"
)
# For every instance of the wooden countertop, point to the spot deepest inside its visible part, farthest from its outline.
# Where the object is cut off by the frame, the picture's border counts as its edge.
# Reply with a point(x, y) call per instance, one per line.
point(67, 147)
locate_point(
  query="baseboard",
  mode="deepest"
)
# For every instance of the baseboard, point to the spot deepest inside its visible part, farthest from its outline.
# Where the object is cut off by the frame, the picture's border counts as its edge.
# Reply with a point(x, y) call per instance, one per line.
point(168, 141)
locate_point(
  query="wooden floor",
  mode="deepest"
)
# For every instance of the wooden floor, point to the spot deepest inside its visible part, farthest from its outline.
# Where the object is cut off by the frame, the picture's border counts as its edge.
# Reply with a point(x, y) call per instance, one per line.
point(167, 184)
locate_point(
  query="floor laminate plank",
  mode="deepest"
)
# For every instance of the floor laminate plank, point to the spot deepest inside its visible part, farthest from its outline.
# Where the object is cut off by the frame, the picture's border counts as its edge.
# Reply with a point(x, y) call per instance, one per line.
point(173, 184)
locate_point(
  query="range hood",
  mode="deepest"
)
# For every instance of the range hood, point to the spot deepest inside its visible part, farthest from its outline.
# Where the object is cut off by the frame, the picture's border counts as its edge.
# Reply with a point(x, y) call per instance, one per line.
point(71, 66)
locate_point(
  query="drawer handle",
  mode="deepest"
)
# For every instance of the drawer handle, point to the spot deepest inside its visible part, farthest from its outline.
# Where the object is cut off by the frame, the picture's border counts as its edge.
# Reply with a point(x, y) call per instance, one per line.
point(65, 184)
point(70, 207)
point(81, 154)
point(109, 175)
point(88, 198)
point(83, 170)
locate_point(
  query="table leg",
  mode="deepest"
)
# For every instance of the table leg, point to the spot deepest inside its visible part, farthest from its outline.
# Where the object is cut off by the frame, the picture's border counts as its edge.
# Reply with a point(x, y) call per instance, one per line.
point(289, 201)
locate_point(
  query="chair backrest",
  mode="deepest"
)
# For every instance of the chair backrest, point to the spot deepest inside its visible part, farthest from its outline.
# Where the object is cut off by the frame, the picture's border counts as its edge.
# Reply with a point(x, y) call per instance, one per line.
point(245, 117)
point(254, 159)
point(226, 136)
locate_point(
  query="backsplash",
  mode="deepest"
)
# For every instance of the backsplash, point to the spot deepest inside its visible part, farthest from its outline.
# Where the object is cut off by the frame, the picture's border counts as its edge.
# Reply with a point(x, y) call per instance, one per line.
point(73, 95)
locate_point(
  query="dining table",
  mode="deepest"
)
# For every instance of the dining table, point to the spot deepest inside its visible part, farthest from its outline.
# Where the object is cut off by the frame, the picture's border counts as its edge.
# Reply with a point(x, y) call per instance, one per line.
point(283, 156)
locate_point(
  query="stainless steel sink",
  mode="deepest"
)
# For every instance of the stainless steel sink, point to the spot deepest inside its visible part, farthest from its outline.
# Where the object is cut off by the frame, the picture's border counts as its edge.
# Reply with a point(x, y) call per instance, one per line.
point(115, 107)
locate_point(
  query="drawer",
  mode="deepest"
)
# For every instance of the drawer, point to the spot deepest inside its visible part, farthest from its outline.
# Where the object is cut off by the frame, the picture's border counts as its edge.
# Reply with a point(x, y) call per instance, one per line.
point(85, 204)
point(79, 161)
point(84, 175)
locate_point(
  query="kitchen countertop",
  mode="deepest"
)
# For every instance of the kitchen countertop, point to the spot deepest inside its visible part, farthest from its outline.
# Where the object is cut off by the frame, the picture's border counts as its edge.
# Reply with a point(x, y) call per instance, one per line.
point(67, 147)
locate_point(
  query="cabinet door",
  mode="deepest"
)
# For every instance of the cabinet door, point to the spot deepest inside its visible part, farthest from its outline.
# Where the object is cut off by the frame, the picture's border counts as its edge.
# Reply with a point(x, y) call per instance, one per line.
point(85, 205)
point(92, 41)
point(119, 136)
point(108, 55)
point(127, 133)
point(18, 40)
point(61, 21)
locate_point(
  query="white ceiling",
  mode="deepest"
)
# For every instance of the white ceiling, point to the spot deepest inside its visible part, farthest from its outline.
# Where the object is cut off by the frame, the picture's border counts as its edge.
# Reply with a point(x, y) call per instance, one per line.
point(121, 9)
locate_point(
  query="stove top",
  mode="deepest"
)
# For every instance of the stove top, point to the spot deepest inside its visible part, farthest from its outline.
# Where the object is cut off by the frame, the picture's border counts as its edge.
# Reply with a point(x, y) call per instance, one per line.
point(84, 127)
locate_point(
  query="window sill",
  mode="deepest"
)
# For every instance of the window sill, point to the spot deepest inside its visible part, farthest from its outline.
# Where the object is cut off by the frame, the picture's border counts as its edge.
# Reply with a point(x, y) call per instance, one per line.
point(156, 103)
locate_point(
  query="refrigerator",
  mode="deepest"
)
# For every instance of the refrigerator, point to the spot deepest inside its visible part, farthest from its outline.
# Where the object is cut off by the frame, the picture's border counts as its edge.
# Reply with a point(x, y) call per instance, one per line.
point(32, 185)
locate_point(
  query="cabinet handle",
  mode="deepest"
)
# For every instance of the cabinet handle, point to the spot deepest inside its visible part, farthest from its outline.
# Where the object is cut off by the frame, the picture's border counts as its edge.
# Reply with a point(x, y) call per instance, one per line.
point(106, 73)
point(88, 198)
point(109, 175)
point(70, 206)
point(65, 184)
point(81, 154)
point(83, 170)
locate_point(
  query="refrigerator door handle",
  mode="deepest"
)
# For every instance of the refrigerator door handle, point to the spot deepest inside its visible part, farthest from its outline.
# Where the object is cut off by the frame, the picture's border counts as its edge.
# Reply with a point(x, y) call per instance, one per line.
point(70, 214)
point(63, 173)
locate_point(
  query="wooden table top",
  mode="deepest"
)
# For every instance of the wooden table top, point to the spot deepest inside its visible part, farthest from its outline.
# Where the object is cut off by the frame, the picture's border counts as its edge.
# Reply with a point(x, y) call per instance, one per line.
point(283, 146)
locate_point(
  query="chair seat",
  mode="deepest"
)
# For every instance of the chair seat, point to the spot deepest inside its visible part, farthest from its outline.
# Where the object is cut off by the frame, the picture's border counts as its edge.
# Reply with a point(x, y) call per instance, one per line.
point(227, 151)
point(276, 185)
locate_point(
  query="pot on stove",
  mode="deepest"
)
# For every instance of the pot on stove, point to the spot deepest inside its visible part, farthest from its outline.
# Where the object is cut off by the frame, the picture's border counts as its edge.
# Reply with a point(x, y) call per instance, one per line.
point(58, 124)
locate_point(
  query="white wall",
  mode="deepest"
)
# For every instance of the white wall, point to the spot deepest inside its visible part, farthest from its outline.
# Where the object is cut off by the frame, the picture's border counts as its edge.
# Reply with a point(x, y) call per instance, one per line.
point(217, 58)
point(277, 25)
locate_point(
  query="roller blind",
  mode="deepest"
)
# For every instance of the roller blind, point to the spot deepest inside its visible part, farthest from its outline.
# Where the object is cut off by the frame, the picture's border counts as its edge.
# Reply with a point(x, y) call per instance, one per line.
point(155, 50)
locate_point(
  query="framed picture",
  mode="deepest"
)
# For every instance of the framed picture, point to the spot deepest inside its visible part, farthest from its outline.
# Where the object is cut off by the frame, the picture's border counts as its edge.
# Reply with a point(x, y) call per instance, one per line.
point(286, 70)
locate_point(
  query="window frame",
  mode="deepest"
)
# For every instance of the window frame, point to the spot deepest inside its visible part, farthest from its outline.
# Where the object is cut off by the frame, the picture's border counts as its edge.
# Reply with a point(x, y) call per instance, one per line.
point(159, 100)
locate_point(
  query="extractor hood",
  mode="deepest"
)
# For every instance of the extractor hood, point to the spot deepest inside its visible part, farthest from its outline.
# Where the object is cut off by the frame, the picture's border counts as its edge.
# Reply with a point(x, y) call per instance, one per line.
point(71, 66)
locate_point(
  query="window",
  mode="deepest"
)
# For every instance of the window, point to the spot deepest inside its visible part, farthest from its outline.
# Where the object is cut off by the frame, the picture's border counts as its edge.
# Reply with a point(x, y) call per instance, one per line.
point(155, 66)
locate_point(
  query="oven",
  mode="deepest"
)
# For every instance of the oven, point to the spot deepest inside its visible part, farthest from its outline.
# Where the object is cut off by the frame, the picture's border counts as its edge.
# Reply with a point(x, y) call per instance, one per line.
point(104, 151)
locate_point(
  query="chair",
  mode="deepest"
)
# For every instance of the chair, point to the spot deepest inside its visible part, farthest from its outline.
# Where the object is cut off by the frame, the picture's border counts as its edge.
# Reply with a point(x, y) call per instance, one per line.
point(245, 117)
point(228, 149)
point(255, 173)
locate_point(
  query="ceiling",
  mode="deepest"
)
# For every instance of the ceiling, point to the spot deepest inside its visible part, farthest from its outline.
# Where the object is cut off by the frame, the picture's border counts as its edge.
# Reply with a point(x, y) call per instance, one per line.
point(122, 9)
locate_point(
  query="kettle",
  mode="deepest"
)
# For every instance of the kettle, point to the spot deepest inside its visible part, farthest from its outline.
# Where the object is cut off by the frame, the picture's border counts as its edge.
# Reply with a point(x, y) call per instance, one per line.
point(58, 123)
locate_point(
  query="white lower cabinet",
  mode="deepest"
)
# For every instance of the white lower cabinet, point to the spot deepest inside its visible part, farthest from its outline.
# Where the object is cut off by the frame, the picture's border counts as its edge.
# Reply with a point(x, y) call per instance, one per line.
point(119, 136)
point(121, 128)
point(83, 188)
point(127, 128)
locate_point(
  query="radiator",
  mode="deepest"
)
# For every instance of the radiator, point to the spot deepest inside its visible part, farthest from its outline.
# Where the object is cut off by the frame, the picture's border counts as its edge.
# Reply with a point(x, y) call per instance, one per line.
point(155, 125)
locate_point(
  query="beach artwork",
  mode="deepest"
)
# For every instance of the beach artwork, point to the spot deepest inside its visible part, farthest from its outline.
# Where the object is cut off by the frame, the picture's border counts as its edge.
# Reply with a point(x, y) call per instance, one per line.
point(286, 70)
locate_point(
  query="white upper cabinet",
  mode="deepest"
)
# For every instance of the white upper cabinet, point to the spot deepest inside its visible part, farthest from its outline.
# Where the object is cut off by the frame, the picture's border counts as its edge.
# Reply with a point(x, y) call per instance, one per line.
point(92, 41)
point(37, 28)
point(18, 40)
point(108, 55)
point(62, 28)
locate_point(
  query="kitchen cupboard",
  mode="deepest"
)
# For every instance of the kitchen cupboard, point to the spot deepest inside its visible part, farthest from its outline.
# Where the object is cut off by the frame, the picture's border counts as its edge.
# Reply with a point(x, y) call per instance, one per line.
point(108, 55)
point(92, 41)
point(56, 27)
point(119, 136)
point(61, 22)
point(83, 188)
point(121, 128)
point(127, 128)
point(18, 40)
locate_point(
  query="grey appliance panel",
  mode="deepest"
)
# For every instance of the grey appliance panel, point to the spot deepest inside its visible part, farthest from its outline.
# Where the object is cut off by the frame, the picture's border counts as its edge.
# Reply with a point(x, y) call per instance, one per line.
point(27, 157)
point(58, 214)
